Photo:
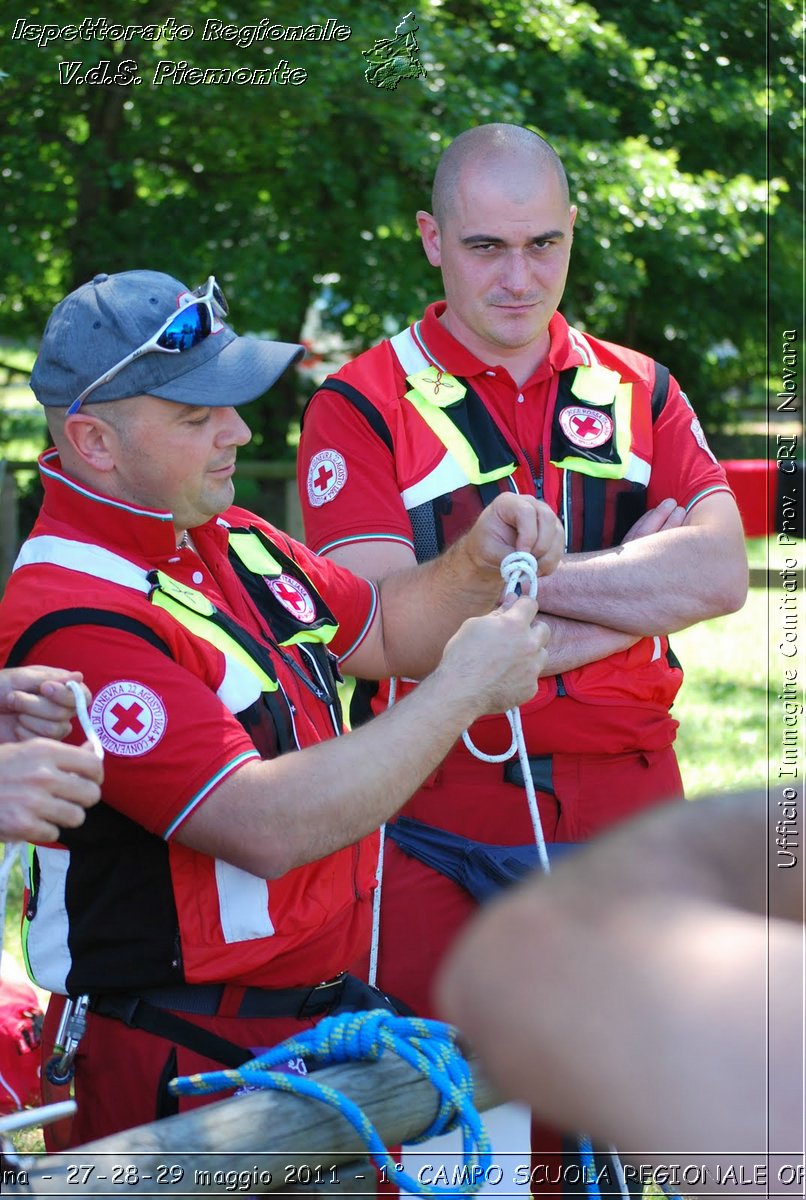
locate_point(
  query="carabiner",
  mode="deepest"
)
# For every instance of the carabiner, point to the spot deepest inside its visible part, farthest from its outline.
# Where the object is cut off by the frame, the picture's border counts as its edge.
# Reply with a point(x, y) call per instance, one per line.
point(60, 1067)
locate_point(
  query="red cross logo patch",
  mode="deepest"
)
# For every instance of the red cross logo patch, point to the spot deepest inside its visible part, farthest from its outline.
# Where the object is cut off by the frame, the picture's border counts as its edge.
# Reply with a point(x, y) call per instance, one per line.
point(327, 475)
point(128, 717)
point(586, 427)
point(293, 596)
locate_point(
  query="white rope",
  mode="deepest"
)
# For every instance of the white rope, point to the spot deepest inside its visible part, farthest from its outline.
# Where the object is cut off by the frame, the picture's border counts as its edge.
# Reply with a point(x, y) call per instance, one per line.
point(84, 718)
point(376, 899)
point(516, 567)
point(618, 1170)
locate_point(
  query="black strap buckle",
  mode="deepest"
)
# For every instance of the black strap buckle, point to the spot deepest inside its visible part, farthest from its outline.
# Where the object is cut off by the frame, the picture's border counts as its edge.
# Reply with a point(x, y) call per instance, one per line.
point(322, 997)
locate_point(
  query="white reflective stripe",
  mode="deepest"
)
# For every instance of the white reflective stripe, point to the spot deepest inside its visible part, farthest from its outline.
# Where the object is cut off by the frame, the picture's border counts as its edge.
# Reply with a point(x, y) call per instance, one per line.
point(446, 476)
point(409, 354)
point(240, 687)
point(243, 904)
point(88, 559)
point(637, 470)
point(46, 939)
point(656, 652)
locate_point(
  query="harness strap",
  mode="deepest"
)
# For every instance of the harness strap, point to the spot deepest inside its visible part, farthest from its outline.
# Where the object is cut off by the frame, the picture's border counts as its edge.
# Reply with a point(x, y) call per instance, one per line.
point(364, 406)
point(139, 1014)
point(660, 390)
point(65, 617)
point(150, 1011)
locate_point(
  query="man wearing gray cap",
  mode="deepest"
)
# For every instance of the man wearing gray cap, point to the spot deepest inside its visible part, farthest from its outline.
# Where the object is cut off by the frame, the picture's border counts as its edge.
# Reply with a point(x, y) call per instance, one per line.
point(212, 901)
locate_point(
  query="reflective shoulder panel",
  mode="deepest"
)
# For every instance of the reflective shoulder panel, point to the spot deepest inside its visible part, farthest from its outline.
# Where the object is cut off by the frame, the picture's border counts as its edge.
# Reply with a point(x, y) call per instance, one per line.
point(253, 553)
point(80, 556)
point(447, 476)
point(200, 625)
point(595, 385)
point(196, 601)
point(437, 388)
point(409, 354)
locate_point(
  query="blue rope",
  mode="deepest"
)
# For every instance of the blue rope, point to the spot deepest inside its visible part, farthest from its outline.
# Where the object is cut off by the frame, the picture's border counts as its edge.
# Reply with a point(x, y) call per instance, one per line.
point(428, 1046)
point(588, 1162)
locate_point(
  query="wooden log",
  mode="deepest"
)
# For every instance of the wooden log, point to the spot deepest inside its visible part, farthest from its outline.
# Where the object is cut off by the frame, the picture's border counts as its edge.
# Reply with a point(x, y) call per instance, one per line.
point(260, 1142)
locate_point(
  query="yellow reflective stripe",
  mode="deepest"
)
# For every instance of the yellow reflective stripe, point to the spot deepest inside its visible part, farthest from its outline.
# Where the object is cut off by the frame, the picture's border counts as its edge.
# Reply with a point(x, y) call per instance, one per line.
point(437, 387)
point(453, 441)
point(595, 385)
point(585, 467)
point(253, 554)
point(203, 628)
point(324, 634)
point(187, 596)
point(345, 689)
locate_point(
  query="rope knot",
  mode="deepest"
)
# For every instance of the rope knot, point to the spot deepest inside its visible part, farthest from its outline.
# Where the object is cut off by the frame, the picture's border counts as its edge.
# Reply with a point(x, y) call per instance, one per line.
point(518, 565)
point(427, 1046)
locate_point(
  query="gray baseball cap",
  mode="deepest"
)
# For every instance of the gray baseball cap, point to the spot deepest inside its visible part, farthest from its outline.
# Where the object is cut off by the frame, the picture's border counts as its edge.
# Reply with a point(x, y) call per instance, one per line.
point(103, 321)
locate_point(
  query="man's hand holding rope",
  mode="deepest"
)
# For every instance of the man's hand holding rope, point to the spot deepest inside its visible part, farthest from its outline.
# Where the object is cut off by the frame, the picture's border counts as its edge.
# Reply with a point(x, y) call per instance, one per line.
point(519, 523)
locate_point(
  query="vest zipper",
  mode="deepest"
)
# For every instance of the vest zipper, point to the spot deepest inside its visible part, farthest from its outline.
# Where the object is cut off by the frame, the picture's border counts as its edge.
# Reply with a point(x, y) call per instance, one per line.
point(537, 478)
point(317, 669)
point(300, 673)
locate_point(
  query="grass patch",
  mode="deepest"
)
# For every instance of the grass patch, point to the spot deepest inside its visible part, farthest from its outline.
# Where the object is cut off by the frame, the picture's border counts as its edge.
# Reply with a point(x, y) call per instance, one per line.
point(723, 704)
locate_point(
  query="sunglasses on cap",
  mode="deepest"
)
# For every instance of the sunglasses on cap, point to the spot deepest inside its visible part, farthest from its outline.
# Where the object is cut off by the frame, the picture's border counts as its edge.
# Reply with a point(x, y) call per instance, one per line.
point(196, 318)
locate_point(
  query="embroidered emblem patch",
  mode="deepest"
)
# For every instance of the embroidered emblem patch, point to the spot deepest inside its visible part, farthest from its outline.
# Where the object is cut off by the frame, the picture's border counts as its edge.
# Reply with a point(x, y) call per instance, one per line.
point(128, 717)
point(700, 439)
point(585, 427)
point(293, 596)
point(327, 475)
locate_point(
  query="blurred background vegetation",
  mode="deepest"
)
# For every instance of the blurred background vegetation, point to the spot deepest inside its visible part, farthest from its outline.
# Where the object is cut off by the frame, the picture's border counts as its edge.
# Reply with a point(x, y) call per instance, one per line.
point(679, 125)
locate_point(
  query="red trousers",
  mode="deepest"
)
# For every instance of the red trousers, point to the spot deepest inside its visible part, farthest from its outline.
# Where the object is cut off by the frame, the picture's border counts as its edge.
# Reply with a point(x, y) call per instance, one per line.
point(422, 911)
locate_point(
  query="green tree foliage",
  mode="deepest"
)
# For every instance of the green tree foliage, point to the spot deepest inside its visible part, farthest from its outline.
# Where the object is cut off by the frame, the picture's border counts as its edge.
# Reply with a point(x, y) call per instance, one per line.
point(292, 193)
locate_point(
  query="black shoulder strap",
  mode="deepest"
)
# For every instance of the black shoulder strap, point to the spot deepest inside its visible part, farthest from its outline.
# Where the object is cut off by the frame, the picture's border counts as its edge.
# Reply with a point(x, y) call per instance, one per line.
point(365, 406)
point(64, 617)
point(660, 390)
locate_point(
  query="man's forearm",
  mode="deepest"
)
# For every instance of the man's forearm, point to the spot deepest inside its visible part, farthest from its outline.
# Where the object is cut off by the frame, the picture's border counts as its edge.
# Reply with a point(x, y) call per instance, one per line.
point(423, 606)
point(652, 586)
point(576, 643)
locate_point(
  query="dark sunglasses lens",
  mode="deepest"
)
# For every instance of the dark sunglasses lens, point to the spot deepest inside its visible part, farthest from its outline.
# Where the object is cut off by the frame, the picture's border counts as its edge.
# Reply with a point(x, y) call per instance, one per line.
point(220, 301)
point(190, 326)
